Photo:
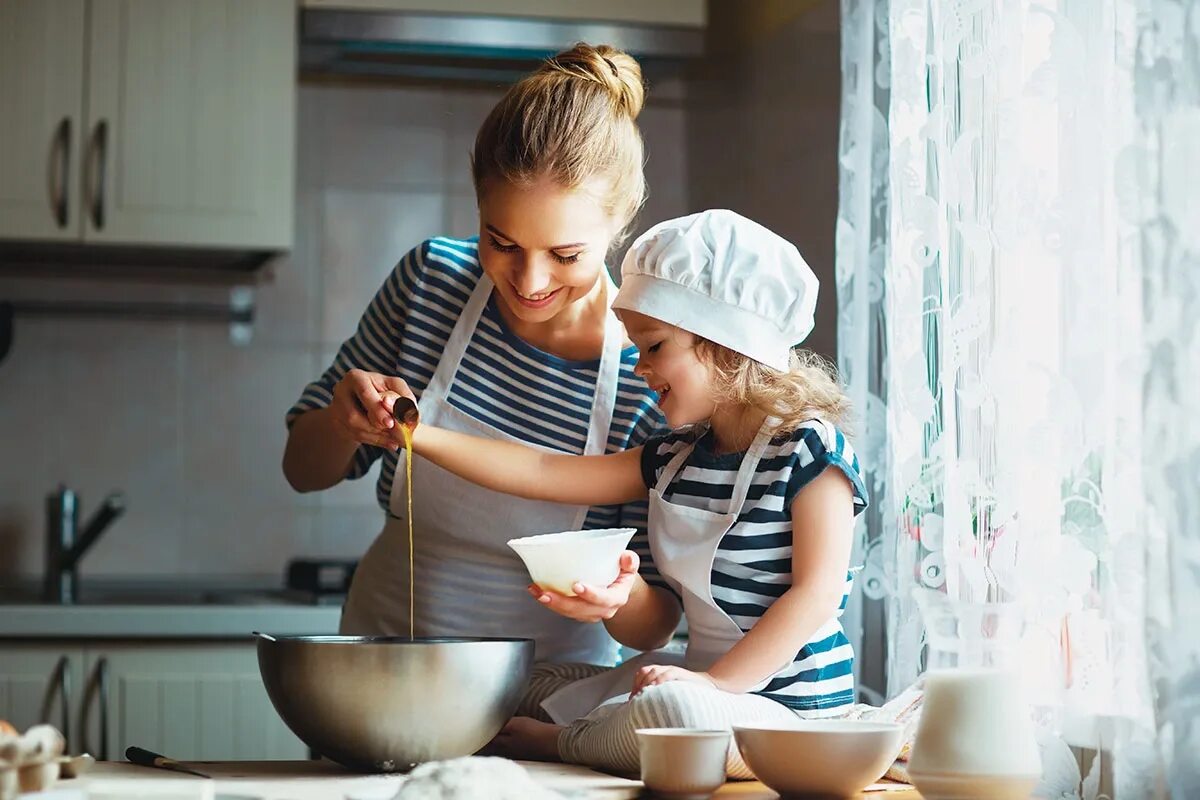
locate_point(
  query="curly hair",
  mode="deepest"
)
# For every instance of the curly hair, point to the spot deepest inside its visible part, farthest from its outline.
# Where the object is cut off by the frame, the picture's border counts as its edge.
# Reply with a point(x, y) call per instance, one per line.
point(808, 389)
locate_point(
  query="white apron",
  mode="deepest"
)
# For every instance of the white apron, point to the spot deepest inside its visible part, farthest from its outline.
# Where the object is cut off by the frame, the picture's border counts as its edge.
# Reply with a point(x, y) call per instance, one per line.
point(683, 541)
point(468, 581)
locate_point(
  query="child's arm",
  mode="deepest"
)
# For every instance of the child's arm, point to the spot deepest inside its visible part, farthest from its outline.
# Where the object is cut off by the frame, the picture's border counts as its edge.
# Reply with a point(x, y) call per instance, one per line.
point(534, 474)
point(636, 614)
point(822, 539)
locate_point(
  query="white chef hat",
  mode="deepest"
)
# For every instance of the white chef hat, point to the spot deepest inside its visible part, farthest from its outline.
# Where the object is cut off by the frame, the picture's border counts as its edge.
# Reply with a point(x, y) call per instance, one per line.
point(721, 276)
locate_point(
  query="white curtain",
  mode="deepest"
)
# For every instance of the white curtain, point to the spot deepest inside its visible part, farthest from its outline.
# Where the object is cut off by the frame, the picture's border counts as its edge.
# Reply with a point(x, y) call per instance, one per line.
point(1019, 286)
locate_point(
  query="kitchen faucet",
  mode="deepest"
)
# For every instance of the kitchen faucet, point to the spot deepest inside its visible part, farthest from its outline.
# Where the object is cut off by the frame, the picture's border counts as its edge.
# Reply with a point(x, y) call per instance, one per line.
point(63, 550)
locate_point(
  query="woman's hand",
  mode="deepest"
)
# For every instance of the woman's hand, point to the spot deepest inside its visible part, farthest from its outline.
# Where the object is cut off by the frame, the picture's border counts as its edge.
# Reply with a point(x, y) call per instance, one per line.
point(593, 604)
point(362, 407)
point(655, 674)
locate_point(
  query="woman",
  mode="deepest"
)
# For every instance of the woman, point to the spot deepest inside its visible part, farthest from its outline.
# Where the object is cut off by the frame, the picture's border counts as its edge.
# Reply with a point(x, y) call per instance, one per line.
point(508, 337)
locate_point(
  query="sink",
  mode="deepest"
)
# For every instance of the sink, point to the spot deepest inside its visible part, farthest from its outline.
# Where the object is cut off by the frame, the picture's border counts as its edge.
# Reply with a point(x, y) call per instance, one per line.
point(187, 597)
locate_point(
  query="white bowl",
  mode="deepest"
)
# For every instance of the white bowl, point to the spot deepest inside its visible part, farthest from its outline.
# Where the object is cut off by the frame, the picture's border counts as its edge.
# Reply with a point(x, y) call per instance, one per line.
point(820, 757)
point(682, 763)
point(557, 561)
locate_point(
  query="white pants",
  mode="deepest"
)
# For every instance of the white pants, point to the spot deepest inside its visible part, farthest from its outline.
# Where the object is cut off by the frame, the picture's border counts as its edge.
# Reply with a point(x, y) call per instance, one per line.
point(605, 738)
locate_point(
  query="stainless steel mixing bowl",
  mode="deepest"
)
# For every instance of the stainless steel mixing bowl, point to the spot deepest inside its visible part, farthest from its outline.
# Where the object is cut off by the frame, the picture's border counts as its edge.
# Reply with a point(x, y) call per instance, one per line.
point(384, 704)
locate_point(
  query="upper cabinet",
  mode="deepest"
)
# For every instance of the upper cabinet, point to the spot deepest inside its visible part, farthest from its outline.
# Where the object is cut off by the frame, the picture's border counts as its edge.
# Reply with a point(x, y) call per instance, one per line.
point(177, 130)
point(41, 117)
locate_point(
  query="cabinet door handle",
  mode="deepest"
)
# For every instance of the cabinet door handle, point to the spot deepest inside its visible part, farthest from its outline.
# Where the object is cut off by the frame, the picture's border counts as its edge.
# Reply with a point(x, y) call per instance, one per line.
point(97, 686)
point(99, 159)
point(102, 671)
point(61, 169)
point(60, 684)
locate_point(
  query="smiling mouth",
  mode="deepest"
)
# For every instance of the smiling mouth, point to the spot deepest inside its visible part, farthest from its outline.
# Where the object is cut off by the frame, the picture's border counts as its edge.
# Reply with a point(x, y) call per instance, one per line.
point(662, 391)
point(538, 299)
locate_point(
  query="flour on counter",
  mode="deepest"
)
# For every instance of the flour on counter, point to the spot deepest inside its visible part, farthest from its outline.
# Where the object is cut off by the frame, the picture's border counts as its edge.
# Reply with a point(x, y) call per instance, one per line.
point(472, 778)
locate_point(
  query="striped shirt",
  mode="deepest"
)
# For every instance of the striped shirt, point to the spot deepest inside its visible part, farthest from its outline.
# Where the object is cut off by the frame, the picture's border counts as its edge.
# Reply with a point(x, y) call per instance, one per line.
point(502, 381)
point(753, 562)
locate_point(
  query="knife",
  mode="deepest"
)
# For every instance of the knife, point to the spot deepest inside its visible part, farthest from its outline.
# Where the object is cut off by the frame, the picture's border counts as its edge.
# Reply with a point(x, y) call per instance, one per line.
point(145, 758)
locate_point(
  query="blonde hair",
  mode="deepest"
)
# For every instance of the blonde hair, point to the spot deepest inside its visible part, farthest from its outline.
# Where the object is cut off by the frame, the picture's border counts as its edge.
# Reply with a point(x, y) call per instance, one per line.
point(573, 119)
point(808, 389)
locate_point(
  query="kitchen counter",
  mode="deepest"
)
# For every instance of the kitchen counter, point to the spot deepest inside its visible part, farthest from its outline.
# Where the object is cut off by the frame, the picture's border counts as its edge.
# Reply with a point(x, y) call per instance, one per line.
point(194, 607)
point(323, 780)
point(207, 621)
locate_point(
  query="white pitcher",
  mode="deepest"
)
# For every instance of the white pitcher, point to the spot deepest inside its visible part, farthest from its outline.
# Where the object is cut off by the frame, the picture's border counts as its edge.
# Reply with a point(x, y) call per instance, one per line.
point(976, 737)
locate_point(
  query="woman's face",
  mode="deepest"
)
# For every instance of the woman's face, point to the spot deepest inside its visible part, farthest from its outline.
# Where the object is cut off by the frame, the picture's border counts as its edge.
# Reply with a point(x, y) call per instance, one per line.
point(543, 245)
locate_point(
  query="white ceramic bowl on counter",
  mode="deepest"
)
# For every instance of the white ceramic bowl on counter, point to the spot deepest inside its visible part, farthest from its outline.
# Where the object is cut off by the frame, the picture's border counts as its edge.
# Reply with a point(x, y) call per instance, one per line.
point(834, 758)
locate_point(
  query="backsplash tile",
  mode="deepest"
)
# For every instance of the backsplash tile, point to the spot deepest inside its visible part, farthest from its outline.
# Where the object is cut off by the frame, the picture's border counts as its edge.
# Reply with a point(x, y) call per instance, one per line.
point(372, 136)
point(363, 235)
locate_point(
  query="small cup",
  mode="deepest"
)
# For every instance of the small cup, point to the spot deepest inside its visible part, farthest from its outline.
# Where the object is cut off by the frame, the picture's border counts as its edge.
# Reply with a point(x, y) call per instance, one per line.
point(683, 763)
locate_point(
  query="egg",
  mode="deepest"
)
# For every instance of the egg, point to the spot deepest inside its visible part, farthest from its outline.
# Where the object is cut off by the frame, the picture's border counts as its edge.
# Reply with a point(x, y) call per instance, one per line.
point(10, 749)
point(43, 742)
point(8, 780)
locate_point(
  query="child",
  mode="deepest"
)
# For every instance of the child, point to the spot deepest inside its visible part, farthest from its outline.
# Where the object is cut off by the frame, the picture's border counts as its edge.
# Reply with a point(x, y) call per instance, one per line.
point(748, 525)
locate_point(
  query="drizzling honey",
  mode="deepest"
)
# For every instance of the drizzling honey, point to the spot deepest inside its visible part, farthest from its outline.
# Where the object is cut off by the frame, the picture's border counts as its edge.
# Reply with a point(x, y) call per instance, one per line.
point(406, 431)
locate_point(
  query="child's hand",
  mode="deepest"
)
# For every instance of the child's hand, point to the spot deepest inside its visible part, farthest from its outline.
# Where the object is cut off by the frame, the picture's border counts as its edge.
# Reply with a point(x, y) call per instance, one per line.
point(593, 604)
point(660, 673)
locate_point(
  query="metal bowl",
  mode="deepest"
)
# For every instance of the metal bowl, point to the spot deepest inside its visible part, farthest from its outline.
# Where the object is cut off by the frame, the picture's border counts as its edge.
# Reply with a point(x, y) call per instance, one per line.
point(385, 704)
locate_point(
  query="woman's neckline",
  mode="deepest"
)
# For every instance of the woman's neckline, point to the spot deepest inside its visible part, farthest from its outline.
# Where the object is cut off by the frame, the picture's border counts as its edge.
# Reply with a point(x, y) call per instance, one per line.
point(537, 353)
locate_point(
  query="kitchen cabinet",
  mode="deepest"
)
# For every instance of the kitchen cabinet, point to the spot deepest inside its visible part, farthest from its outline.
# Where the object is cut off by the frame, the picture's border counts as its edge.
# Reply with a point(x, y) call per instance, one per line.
point(176, 129)
point(191, 700)
point(41, 118)
point(40, 683)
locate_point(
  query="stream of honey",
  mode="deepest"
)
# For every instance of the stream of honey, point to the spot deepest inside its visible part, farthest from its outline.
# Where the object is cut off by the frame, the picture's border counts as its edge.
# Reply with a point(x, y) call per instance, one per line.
point(406, 431)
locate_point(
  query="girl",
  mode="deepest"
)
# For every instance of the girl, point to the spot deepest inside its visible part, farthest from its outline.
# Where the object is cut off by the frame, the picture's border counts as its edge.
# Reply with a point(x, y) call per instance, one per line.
point(752, 497)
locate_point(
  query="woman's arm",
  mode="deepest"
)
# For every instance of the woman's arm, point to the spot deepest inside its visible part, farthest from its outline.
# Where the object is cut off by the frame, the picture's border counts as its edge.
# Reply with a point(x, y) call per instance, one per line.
point(534, 474)
point(322, 443)
point(331, 435)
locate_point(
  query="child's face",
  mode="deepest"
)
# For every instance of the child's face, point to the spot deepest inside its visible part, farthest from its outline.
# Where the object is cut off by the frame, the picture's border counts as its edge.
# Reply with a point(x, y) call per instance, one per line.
point(670, 364)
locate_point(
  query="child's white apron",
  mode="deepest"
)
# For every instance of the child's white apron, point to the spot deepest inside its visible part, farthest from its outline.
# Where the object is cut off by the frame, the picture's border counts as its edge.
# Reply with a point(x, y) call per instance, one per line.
point(683, 541)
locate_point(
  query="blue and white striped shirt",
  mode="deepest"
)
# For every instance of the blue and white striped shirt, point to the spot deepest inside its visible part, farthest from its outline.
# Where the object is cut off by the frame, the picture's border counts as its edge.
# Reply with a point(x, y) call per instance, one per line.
point(502, 380)
point(753, 563)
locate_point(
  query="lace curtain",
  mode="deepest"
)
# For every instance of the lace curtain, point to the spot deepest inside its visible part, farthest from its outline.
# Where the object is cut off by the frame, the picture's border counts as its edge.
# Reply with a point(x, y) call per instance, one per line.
point(1018, 270)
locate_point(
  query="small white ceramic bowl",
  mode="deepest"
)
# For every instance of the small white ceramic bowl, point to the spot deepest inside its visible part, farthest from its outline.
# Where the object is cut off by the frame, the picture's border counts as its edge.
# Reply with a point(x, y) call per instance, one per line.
point(682, 763)
point(836, 758)
point(557, 561)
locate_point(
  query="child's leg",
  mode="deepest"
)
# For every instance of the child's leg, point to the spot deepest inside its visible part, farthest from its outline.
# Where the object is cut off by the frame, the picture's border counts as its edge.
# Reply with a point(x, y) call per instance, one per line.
point(546, 679)
point(606, 738)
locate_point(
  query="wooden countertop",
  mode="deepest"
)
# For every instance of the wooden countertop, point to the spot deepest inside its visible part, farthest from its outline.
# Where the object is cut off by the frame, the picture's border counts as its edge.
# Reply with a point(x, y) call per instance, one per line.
point(323, 780)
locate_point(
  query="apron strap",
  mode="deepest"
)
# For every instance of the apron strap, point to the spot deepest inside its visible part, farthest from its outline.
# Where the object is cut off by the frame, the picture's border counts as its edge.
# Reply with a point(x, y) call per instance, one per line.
point(750, 465)
point(673, 466)
point(608, 378)
point(746, 471)
point(456, 345)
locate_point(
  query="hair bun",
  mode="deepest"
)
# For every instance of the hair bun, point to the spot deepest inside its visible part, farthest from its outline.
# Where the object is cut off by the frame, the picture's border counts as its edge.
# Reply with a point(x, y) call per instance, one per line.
point(614, 69)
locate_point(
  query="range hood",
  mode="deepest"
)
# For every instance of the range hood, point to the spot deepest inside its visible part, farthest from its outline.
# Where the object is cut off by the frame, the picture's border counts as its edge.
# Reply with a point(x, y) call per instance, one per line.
point(421, 45)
